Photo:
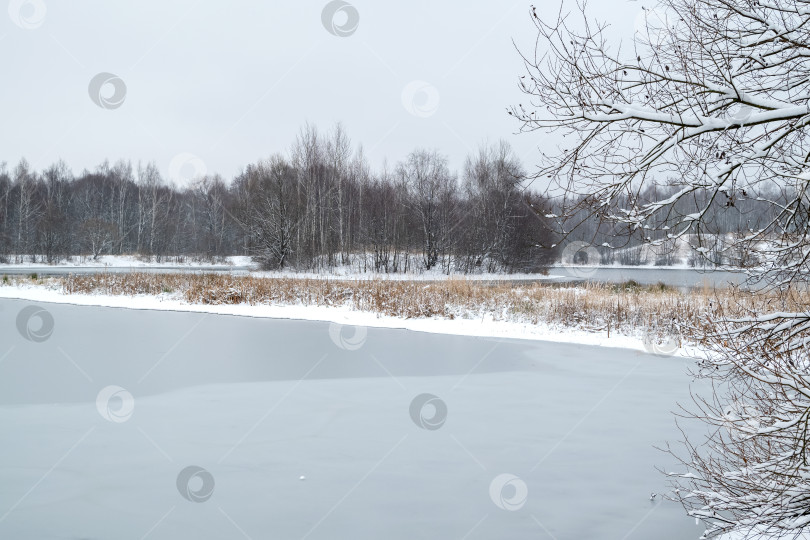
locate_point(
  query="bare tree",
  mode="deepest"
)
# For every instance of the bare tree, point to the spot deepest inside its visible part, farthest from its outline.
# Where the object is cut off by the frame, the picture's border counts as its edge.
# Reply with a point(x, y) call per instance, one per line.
point(429, 181)
point(97, 236)
point(268, 198)
point(492, 180)
point(318, 207)
point(338, 155)
point(120, 201)
point(5, 208)
point(210, 193)
point(53, 236)
point(27, 208)
point(153, 208)
point(712, 101)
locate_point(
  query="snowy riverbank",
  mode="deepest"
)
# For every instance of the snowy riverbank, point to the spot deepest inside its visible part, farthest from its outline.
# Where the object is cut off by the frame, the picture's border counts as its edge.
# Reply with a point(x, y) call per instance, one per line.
point(486, 326)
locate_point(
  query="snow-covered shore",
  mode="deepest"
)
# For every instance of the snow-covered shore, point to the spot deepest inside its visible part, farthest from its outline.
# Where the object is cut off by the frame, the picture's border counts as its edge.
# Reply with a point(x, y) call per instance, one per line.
point(353, 270)
point(244, 264)
point(127, 261)
point(483, 327)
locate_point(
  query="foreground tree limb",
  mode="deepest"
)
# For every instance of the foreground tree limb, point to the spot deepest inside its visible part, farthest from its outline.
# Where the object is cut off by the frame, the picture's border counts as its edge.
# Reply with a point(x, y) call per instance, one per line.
point(707, 112)
point(710, 108)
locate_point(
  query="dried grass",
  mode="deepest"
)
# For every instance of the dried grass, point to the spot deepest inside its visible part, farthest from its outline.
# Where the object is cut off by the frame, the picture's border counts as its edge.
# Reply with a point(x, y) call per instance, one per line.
point(624, 309)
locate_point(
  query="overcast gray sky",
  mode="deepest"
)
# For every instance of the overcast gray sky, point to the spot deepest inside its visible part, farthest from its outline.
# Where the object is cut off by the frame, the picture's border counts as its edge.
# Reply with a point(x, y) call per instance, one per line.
point(233, 82)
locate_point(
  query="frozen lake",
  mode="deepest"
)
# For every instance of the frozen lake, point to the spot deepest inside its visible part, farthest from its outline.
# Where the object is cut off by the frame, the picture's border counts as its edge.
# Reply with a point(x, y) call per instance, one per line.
point(308, 430)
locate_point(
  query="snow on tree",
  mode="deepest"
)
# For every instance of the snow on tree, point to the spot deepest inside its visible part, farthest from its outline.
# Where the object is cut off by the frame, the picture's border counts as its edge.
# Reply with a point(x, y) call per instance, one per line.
point(706, 109)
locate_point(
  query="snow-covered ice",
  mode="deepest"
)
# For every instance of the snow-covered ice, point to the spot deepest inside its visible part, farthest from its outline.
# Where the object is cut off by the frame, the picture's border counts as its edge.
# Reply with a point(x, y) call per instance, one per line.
point(217, 419)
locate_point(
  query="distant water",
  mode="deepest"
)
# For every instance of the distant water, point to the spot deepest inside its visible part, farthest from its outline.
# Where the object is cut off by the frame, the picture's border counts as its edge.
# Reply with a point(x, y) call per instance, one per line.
point(674, 277)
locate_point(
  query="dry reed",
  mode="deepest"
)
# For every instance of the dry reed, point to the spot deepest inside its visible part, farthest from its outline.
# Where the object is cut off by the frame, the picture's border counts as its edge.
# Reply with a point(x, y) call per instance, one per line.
point(625, 309)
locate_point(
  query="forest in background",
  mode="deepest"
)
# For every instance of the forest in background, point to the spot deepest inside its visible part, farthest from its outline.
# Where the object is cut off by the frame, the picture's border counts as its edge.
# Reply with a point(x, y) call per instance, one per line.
point(312, 208)
point(321, 206)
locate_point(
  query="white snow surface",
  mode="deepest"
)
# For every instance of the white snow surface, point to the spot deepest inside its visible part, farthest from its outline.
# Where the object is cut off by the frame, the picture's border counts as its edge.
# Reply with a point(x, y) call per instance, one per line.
point(103, 420)
point(239, 263)
point(349, 271)
point(370, 472)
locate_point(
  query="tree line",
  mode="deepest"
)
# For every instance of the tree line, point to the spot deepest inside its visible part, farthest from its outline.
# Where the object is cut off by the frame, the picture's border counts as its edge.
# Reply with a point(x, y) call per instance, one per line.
point(318, 206)
point(725, 221)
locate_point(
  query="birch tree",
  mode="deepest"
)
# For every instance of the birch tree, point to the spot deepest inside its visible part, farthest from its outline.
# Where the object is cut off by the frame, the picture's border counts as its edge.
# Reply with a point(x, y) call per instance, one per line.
point(27, 208)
